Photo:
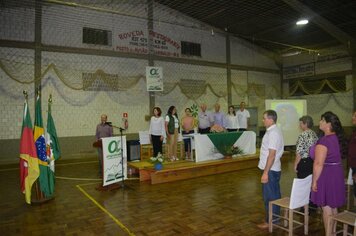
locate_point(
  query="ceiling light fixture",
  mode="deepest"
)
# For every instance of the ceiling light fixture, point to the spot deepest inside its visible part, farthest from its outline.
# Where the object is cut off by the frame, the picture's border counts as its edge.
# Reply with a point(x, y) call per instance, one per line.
point(302, 22)
point(289, 54)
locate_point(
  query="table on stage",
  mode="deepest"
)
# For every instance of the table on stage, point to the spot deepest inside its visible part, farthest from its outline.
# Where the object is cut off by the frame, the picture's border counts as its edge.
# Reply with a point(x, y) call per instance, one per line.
point(205, 149)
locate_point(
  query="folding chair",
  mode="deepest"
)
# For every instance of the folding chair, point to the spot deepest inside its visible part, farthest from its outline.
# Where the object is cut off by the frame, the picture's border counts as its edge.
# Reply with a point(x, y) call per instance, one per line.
point(347, 219)
point(299, 198)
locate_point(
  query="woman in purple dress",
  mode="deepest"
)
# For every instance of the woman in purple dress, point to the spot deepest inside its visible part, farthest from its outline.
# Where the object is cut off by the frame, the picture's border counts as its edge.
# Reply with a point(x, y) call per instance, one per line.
point(328, 186)
point(352, 152)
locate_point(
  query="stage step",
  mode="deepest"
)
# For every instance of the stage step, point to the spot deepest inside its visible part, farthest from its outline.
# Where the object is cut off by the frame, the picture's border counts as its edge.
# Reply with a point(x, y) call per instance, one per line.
point(203, 169)
point(180, 170)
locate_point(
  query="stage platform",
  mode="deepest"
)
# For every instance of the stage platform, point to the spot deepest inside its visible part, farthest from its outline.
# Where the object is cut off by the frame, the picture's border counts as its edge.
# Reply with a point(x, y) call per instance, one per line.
point(180, 170)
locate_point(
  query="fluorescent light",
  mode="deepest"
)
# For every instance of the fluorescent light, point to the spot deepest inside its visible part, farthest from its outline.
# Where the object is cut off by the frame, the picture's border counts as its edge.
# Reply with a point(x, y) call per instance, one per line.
point(289, 54)
point(302, 22)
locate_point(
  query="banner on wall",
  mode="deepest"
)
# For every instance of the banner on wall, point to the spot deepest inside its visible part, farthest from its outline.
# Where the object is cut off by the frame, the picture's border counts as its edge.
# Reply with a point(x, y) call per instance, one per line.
point(154, 78)
point(299, 71)
point(114, 159)
point(136, 41)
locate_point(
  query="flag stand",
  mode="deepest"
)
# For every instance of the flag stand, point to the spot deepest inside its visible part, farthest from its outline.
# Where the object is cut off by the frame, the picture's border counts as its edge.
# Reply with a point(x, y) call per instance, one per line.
point(40, 198)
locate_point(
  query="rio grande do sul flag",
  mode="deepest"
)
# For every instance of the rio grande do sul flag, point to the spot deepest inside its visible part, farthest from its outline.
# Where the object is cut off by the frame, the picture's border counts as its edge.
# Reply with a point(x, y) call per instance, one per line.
point(29, 170)
point(53, 148)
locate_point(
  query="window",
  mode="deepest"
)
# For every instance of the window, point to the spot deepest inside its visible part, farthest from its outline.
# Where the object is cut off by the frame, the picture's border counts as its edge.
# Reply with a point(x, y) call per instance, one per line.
point(96, 36)
point(190, 49)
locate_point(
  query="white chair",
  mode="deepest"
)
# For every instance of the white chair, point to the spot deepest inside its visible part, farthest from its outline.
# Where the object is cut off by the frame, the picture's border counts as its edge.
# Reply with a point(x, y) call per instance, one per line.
point(299, 198)
point(146, 149)
point(349, 193)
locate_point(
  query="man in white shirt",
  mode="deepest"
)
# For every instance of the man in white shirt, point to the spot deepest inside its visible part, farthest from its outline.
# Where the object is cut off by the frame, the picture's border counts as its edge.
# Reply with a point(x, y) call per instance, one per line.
point(205, 120)
point(270, 162)
point(243, 116)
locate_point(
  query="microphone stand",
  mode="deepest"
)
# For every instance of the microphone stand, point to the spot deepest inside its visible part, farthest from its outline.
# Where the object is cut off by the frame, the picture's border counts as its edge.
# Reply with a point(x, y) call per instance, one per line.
point(122, 154)
point(122, 159)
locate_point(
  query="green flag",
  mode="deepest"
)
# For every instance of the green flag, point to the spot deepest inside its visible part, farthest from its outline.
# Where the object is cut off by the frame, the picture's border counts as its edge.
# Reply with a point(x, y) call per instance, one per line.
point(53, 148)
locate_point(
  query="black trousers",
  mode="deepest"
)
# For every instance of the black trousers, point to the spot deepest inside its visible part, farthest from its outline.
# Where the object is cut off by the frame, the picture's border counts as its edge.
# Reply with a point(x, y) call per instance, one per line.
point(204, 131)
point(157, 144)
point(353, 172)
point(187, 144)
point(231, 130)
point(304, 168)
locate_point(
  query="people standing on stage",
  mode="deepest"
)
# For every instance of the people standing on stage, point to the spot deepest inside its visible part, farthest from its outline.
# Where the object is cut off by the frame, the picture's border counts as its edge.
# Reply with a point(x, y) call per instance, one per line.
point(232, 123)
point(328, 184)
point(218, 116)
point(351, 157)
point(303, 164)
point(157, 131)
point(187, 128)
point(270, 164)
point(204, 119)
point(243, 116)
point(172, 130)
point(103, 130)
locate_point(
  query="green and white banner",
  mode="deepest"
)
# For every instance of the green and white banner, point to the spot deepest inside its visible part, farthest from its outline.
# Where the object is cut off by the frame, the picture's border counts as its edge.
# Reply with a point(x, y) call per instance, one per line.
point(154, 78)
point(211, 146)
point(114, 159)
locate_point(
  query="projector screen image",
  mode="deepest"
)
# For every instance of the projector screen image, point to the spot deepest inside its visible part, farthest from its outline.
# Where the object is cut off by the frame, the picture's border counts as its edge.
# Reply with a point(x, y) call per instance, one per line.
point(288, 114)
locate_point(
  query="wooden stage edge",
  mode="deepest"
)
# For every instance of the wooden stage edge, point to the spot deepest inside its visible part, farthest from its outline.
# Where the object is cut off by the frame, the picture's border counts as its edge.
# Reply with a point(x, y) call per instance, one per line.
point(181, 170)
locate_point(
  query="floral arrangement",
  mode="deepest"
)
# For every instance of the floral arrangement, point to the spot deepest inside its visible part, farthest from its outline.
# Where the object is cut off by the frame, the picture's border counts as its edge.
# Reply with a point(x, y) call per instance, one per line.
point(227, 150)
point(158, 159)
point(233, 150)
point(217, 129)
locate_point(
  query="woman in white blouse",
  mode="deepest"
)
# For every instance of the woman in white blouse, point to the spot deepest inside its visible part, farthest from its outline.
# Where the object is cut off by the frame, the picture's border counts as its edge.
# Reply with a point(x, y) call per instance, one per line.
point(157, 131)
point(232, 121)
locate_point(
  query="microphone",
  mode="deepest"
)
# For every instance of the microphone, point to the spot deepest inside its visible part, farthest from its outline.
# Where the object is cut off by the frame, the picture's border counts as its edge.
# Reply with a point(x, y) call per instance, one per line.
point(108, 123)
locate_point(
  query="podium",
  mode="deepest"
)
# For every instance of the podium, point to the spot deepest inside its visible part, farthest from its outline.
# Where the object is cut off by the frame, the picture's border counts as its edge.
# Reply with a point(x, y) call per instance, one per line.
point(98, 144)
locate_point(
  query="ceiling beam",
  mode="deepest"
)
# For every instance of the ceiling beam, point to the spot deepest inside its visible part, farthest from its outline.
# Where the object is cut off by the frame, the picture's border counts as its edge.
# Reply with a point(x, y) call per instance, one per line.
point(326, 25)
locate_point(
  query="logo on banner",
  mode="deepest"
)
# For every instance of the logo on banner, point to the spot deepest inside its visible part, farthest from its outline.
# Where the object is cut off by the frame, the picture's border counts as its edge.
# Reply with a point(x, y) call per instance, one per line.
point(154, 71)
point(114, 147)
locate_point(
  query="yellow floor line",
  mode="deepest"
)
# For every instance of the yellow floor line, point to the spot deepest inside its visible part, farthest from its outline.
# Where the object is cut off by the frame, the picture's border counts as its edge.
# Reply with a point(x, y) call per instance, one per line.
point(59, 164)
point(76, 163)
point(121, 225)
point(91, 183)
point(87, 179)
point(83, 179)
